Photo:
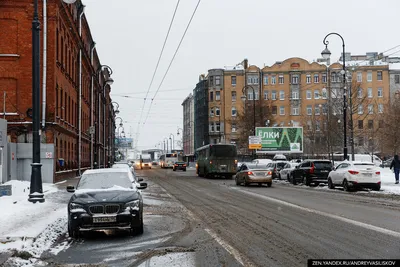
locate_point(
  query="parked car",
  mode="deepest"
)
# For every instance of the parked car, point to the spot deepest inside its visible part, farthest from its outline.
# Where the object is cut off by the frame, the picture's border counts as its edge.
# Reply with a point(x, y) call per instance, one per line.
point(239, 164)
point(280, 157)
point(275, 168)
point(253, 173)
point(105, 199)
point(179, 165)
point(122, 165)
point(261, 161)
point(311, 171)
point(386, 163)
point(286, 170)
point(354, 175)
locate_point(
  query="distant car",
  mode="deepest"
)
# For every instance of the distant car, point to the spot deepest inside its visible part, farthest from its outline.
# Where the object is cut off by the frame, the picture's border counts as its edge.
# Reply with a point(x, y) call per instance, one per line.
point(280, 157)
point(311, 171)
point(354, 175)
point(275, 167)
point(286, 170)
point(105, 199)
point(154, 163)
point(386, 163)
point(122, 165)
point(253, 173)
point(261, 161)
point(179, 165)
point(239, 164)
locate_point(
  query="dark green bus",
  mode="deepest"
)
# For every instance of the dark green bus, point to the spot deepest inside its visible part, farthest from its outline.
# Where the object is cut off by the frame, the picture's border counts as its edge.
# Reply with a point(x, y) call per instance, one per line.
point(216, 160)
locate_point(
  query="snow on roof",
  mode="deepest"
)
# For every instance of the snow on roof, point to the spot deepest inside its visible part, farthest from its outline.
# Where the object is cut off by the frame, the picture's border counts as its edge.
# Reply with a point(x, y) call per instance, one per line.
point(394, 66)
point(364, 63)
point(231, 68)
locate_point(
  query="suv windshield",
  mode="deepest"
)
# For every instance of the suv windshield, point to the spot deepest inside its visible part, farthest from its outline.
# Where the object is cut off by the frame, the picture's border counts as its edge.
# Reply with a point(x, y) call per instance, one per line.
point(322, 164)
point(104, 180)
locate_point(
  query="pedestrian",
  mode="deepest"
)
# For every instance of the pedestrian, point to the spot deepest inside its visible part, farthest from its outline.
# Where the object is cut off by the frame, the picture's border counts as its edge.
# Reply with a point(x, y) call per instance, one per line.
point(396, 165)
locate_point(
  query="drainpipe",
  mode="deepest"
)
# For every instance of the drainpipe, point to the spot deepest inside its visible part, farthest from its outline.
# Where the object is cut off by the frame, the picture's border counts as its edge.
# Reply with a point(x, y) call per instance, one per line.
point(91, 105)
point(80, 93)
point(104, 126)
point(44, 92)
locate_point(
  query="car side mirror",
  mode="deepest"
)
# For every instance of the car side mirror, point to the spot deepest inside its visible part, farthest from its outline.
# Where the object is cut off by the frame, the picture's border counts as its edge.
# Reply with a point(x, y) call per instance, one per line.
point(140, 179)
point(70, 188)
point(142, 186)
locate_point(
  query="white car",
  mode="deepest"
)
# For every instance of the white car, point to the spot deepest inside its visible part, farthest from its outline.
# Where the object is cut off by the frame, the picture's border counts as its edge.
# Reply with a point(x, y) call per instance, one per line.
point(285, 172)
point(261, 161)
point(356, 174)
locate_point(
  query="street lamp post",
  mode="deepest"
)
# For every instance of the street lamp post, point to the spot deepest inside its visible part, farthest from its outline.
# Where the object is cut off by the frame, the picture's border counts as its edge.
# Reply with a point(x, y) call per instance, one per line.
point(244, 90)
point(326, 54)
point(172, 141)
point(165, 138)
point(36, 186)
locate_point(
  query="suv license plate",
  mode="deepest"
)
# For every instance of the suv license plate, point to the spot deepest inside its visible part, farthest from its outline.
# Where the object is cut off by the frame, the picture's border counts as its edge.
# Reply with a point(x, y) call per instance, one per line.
point(324, 171)
point(104, 219)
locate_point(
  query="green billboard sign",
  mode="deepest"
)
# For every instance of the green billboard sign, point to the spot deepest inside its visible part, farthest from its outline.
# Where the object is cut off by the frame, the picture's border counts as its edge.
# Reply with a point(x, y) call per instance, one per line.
point(280, 139)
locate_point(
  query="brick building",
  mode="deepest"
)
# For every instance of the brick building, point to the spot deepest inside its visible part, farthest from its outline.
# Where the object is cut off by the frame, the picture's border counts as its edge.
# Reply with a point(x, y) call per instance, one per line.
point(76, 86)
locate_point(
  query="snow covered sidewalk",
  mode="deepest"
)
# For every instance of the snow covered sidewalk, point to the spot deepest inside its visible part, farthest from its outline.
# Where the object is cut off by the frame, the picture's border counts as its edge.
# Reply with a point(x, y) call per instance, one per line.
point(388, 186)
point(29, 227)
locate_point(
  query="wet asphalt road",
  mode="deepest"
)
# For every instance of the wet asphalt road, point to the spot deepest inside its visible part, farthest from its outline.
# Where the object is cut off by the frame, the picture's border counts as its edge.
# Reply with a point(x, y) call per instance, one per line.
point(192, 221)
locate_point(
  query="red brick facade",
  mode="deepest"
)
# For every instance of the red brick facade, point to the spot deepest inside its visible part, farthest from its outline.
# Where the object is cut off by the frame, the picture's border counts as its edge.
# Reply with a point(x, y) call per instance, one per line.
point(62, 83)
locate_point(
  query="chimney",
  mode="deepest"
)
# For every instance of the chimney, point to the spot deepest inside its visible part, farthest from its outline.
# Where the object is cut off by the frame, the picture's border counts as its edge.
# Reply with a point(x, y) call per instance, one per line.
point(245, 63)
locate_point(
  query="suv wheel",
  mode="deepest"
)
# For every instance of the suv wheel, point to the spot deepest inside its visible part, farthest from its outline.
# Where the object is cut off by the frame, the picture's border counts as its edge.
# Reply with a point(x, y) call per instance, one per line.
point(346, 186)
point(73, 232)
point(330, 184)
point(305, 180)
point(293, 179)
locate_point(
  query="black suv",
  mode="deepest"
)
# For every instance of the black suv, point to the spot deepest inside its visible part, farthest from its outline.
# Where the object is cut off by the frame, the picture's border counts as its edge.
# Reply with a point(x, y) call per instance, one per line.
point(311, 171)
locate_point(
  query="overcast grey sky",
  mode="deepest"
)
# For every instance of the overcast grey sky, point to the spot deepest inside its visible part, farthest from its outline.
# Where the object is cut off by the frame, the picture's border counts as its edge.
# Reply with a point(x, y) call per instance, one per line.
point(129, 35)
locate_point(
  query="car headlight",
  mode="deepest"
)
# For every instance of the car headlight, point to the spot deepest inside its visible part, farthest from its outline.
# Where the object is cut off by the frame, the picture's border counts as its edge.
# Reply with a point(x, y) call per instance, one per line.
point(75, 206)
point(133, 205)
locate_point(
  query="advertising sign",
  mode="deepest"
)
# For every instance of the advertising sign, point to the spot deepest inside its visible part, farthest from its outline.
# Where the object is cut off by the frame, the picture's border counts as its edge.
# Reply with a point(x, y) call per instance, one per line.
point(280, 139)
point(124, 142)
point(254, 142)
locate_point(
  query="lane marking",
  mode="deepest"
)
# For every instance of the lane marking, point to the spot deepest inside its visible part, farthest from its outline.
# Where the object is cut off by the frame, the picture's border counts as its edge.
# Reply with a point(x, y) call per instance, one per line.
point(231, 250)
point(332, 216)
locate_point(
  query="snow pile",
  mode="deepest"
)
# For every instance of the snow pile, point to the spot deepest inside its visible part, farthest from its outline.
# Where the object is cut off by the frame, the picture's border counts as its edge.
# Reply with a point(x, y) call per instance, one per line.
point(387, 179)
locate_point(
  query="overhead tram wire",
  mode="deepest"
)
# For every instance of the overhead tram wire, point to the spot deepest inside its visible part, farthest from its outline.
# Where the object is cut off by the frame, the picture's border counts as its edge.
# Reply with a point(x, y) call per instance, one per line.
point(169, 66)
point(159, 59)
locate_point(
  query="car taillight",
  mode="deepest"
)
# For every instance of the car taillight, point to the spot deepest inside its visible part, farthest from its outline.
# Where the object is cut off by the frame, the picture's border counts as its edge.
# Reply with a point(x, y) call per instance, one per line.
point(210, 161)
point(312, 168)
point(235, 161)
point(378, 173)
point(184, 165)
point(269, 173)
point(197, 165)
point(250, 173)
point(353, 172)
point(379, 182)
point(176, 165)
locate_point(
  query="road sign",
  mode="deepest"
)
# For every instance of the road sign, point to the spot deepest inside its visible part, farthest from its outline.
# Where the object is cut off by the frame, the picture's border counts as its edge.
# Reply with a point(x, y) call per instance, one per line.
point(280, 139)
point(49, 155)
point(254, 142)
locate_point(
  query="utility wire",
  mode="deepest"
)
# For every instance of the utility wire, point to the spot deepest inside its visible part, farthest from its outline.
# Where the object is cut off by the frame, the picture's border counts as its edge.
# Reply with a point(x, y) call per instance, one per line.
point(169, 66)
point(159, 59)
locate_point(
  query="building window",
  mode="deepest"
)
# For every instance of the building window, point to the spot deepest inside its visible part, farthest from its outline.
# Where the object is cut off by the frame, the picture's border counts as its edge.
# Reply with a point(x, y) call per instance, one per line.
point(217, 95)
point(360, 124)
point(217, 112)
point(324, 93)
point(233, 128)
point(316, 94)
point(265, 94)
point(360, 140)
point(379, 75)
point(380, 108)
point(380, 124)
point(233, 80)
point(308, 94)
point(211, 80)
point(274, 110)
point(211, 96)
point(370, 124)
point(281, 95)
point(295, 94)
point(397, 78)
point(273, 96)
point(212, 112)
point(316, 78)
point(334, 77)
point(359, 77)
point(265, 79)
point(324, 79)
point(217, 126)
point(309, 110)
point(309, 125)
point(369, 76)
point(273, 79)
point(318, 126)
point(370, 109)
point(281, 79)
point(308, 78)
point(316, 110)
point(324, 109)
point(360, 92)
point(380, 92)
point(217, 80)
point(233, 93)
point(295, 79)
point(295, 111)
point(234, 112)
point(282, 110)
point(251, 79)
point(211, 127)
point(360, 109)
point(369, 92)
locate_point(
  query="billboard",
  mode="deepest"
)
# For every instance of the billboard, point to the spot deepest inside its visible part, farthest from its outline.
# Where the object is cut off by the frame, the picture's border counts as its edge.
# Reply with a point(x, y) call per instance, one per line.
point(122, 142)
point(280, 139)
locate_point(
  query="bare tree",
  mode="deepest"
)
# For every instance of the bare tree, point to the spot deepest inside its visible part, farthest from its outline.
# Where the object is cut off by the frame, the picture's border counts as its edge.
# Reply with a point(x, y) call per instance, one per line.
point(390, 128)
